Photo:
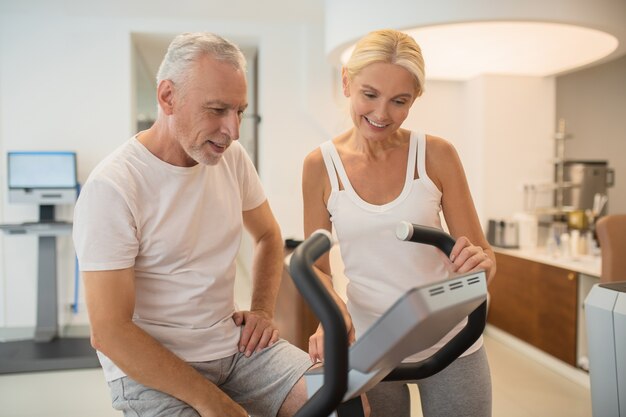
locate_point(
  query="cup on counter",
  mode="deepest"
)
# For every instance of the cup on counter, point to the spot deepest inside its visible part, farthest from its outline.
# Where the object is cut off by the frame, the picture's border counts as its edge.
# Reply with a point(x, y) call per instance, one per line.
point(552, 247)
point(528, 228)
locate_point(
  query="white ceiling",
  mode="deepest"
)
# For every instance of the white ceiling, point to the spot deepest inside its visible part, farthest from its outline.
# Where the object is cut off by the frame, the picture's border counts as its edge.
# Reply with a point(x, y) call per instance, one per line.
point(253, 10)
point(151, 46)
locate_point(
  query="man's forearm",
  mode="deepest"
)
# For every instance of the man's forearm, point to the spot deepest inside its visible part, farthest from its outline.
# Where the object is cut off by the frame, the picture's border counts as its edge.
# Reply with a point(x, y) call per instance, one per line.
point(267, 273)
point(148, 362)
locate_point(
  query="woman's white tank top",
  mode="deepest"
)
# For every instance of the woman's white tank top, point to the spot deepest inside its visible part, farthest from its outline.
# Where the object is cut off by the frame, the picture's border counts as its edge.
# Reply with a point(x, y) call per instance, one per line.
point(379, 267)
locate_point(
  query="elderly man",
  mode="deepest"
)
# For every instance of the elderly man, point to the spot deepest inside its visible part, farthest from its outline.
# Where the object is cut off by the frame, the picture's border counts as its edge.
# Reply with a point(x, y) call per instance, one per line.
point(157, 230)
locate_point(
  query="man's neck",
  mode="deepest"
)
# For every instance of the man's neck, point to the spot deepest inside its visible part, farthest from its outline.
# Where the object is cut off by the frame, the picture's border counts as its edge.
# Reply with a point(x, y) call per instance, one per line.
point(162, 144)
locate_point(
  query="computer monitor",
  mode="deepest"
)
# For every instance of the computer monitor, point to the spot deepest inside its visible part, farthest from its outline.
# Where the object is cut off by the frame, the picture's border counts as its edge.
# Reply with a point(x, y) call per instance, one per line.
point(43, 178)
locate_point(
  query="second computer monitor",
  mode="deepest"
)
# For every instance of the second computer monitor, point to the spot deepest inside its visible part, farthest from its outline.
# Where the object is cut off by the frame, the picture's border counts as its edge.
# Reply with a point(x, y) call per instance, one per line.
point(43, 178)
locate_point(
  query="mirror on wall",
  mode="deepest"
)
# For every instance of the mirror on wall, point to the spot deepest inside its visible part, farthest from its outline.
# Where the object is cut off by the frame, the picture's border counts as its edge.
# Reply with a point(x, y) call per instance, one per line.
point(148, 50)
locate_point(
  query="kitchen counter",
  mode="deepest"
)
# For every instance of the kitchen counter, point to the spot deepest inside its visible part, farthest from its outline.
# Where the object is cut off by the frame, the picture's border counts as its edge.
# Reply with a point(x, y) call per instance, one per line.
point(586, 264)
point(538, 298)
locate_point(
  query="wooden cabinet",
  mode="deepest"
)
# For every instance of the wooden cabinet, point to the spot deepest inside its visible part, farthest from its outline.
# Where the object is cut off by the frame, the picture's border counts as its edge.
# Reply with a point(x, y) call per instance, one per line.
point(536, 303)
point(295, 321)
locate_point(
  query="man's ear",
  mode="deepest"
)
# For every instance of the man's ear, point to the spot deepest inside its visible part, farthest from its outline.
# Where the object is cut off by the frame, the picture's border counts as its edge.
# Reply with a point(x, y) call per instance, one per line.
point(165, 96)
point(345, 82)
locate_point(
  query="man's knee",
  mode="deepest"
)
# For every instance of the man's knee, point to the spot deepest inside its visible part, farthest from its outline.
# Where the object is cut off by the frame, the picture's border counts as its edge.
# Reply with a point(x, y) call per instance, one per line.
point(298, 396)
point(295, 399)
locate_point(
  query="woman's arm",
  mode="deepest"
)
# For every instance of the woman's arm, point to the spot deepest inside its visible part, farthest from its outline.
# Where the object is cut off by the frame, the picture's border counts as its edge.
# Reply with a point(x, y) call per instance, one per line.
point(472, 251)
point(315, 192)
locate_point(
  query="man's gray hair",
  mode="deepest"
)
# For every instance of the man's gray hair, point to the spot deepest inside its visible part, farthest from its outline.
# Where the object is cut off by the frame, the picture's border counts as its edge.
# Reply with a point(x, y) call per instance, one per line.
point(187, 48)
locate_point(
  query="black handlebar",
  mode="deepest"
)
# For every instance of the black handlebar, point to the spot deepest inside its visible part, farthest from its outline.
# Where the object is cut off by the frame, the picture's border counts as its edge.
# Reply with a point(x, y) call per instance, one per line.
point(462, 340)
point(426, 235)
point(329, 396)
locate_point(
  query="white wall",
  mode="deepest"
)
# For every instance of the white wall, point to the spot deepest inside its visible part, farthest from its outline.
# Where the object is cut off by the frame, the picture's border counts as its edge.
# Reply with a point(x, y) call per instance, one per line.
point(65, 83)
point(502, 127)
point(519, 140)
point(593, 104)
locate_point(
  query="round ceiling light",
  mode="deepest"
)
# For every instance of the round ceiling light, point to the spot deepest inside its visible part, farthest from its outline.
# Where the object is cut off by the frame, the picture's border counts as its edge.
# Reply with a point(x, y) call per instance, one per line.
point(462, 51)
point(462, 39)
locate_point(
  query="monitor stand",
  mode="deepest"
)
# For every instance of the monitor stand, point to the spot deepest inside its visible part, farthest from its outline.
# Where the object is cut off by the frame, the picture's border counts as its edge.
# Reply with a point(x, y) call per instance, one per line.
point(46, 214)
point(47, 350)
point(47, 308)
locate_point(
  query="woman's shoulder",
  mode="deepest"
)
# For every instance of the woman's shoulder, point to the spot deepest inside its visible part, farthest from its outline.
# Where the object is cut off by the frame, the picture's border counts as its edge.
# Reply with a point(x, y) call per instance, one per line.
point(442, 159)
point(314, 172)
point(316, 156)
point(438, 144)
point(313, 165)
point(438, 148)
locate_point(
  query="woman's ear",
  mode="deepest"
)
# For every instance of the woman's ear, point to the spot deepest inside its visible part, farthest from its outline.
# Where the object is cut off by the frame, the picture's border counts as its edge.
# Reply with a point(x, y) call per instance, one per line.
point(345, 82)
point(165, 96)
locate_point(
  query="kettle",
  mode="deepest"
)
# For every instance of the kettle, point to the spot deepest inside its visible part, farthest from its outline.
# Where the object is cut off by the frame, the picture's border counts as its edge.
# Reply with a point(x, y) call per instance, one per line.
point(503, 233)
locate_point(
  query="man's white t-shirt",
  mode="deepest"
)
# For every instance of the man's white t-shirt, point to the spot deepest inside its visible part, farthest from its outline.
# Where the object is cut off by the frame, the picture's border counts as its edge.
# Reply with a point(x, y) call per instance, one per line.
point(180, 228)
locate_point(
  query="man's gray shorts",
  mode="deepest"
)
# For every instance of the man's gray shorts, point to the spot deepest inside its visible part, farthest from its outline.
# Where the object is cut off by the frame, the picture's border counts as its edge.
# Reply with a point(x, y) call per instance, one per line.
point(259, 383)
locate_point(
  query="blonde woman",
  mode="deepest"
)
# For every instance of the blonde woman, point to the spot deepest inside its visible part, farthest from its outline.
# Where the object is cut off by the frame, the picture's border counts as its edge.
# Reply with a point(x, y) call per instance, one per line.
point(366, 180)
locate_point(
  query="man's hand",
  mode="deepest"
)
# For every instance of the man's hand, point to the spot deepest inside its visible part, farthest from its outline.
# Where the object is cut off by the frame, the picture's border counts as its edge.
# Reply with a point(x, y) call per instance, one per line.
point(221, 405)
point(259, 330)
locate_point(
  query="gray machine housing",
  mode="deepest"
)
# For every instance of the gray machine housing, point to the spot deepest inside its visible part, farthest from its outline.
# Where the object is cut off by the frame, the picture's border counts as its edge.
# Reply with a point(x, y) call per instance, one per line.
point(418, 320)
point(605, 311)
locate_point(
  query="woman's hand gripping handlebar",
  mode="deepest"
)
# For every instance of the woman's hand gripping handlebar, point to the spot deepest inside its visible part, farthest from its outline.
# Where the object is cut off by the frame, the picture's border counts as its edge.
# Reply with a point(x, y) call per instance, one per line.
point(459, 343)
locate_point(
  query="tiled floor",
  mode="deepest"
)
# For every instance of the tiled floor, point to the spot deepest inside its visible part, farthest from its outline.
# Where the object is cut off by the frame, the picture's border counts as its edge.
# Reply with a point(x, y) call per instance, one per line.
point(521, 388)
point(524, 388)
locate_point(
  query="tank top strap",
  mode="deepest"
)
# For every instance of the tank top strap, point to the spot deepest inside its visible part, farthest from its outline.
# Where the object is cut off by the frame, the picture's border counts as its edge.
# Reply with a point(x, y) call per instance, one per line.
point(327, 151)
point(421, 154)
point(413, 154)
point(421, 163)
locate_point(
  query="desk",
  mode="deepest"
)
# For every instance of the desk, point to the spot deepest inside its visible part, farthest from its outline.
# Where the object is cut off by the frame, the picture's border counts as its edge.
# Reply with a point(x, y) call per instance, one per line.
point(46, 328)
point(46, 351)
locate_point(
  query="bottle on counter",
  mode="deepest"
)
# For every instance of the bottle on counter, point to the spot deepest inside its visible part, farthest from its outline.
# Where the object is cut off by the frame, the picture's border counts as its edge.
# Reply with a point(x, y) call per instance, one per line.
point(552, 247)
point(583, 245)
point(565, 245)
point(592, 245)
point(574, 242)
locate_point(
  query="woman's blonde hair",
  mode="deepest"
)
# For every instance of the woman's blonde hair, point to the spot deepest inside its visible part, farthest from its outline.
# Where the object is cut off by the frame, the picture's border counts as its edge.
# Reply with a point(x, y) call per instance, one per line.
point(389, 46)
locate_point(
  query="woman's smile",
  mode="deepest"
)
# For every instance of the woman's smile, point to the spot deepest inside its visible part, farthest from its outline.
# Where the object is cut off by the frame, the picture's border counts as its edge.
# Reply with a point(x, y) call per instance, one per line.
point(375, 124)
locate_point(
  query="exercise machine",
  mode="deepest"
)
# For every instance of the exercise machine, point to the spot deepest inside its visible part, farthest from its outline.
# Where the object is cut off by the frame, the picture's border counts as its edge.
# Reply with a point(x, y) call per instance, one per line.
point(416, 321)
point(605, 310)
